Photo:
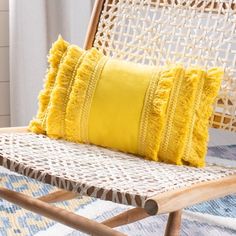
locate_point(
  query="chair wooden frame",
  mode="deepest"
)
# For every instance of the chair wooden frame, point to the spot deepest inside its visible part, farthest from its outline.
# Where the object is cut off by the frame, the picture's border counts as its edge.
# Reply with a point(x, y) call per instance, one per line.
point(171, 202)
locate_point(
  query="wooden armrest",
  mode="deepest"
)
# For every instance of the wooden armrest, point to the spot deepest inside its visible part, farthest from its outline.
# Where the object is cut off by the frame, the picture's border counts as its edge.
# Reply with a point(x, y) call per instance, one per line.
point(14, 129)
point(180, 198)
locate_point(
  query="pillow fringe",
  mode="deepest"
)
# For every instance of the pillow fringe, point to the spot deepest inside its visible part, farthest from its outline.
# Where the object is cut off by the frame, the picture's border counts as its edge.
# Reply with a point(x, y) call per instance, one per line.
point(77, 97)
point(157, 113)
point(55, 122)
point(211, 88)
point(175, 139)
point(55, 57)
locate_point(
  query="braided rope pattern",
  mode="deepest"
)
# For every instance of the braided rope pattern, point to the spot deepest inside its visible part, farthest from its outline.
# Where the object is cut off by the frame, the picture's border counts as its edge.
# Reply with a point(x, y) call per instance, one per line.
point(193, 32)
point(95, 171)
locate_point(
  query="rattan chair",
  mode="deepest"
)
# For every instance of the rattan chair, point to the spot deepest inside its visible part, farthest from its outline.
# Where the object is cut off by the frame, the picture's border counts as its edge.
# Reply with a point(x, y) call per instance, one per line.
point(152, 32)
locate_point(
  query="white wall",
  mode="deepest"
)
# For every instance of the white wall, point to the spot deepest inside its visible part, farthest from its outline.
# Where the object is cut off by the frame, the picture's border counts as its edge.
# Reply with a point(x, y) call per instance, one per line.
point(78, 15)
point(4, 64)
point(34, 25)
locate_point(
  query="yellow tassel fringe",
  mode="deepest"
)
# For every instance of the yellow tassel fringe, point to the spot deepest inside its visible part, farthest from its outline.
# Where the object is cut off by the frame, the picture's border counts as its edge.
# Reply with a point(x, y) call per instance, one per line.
point(199, 140)
point(55, 122)
point(180, 110)
point(157, 114)
point(74, 108)
point(56, 55)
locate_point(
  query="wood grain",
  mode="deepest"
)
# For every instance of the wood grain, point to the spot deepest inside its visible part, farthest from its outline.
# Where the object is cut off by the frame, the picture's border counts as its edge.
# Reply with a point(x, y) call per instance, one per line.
point(180, 198)
point(173, 224)
point(92, 28)
point(58, 196)
point(55, 213)
point(14, 130)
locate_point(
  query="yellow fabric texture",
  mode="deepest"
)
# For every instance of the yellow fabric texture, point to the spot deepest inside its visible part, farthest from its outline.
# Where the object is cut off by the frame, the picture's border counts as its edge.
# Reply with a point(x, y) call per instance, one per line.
point(179, 112)
point(56, 116)
point(120, 100)
point(106, 104)
point(195, 148)
point(55, 58)
point(159, 113)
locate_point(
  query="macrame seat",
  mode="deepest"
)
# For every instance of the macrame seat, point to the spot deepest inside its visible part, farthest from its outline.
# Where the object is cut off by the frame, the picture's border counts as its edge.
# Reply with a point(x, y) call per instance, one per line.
point(149, 32)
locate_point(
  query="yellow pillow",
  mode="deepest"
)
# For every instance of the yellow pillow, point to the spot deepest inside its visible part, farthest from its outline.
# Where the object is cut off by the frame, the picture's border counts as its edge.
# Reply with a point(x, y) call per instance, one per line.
point(105, 106)
point(154, 112)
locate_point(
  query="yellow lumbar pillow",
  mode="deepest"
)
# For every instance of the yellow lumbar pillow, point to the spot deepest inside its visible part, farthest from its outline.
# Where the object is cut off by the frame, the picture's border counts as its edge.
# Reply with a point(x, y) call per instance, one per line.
point(154, 112)
point(106, 105)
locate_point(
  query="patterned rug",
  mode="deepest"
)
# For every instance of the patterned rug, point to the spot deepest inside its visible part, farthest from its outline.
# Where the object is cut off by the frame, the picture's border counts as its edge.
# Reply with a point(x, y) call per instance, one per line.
point(16, 221)
point(216, 217)
point(196, 222)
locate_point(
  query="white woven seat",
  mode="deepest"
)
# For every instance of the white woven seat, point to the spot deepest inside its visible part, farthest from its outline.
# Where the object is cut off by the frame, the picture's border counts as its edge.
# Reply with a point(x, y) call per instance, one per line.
point(95, 171)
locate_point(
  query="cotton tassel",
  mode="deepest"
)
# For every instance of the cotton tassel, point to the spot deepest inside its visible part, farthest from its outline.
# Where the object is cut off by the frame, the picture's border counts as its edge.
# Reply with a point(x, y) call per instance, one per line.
point(211, 88)
point(157, 114)
point(78, 95)
point(176, 130)
point(55, 57)
point(55, 122)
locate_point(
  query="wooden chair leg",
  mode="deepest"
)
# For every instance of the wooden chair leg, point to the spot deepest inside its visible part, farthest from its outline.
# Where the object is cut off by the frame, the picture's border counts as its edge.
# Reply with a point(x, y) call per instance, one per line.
point(173, 224)
point(58, 196)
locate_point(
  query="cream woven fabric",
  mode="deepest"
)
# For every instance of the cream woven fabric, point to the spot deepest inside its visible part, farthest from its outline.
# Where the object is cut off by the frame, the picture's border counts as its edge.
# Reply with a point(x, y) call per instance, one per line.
point(95, 171)
point(194, 32)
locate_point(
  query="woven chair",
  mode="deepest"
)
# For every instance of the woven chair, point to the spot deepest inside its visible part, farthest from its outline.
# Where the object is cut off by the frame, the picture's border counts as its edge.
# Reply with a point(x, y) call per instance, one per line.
point(199, 32)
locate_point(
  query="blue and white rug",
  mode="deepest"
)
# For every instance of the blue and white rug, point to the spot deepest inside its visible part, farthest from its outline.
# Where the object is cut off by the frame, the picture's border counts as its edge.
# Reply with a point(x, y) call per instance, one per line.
point(216, 218)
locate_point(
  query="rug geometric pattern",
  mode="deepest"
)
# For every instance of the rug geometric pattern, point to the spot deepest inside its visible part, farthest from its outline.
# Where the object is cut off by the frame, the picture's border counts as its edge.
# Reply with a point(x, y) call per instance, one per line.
point(15, 220)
